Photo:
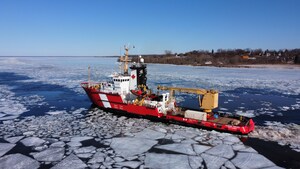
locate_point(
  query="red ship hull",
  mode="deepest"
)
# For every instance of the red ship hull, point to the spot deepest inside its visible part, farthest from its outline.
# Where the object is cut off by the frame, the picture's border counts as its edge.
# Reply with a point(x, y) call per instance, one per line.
point(114, 101)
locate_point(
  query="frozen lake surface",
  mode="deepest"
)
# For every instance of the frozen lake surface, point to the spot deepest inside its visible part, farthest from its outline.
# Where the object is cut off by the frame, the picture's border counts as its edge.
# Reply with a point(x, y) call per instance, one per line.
point(46, 116)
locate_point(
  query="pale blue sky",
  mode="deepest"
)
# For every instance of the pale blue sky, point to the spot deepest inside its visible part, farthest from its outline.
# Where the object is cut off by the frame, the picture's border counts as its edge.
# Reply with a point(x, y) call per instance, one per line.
point(101, 27)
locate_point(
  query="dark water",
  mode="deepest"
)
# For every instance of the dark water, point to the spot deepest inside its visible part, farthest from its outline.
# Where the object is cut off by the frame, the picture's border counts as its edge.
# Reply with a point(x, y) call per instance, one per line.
point(56, 97)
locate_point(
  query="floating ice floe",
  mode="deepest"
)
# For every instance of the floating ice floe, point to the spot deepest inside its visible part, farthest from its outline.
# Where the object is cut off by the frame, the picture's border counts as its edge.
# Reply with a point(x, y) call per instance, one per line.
point(81, 138)
point(179, 148)
point(98, 158)
point(174, 161)
point(128, 147)
point(83, 150)
point(79, 110)
point(212, 161)
point(248, 113)
point(130, 164)
point(19, 161)
point(200, 148)
point(14, 139)
point(72, 161)
point(5, 147)
point(221, 150)
point(150, 134)
point(251, 160)
point(56, 112)
point(58, 144)
point(50, 154)
point(32, 141)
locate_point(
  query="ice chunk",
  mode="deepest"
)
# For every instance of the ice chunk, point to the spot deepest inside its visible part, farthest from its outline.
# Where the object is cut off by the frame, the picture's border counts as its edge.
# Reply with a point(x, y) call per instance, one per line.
point(14, 139)
point(186, 134)
point(97, 158)
point(128, 147)
point(213, 161)
point(248, 113)
point(88, 149)
point(72, 161)
point(251, 160)
point(237, 147)
point(79, 110)
point(5, 147)
point(149, 134)
point(9, 117)
point(84, 155)
point(2, 114)
point(177, 137)
point(32, 141)
point(200, 148)
point(232, 139)
point(174, 161)
point(81, 138)
point(179, 148)
point(274, 167)
point(58, 144)
point(50, 154)
point(74, 144)
point(56, 112)
point(19, 161)
point(130, 164)
point(249, 150)
point(221, 150)
point(195, 161)
point(229, 165)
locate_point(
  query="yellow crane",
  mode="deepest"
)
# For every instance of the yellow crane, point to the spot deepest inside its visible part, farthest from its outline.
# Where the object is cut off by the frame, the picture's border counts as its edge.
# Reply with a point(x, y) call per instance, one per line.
point(207, 102)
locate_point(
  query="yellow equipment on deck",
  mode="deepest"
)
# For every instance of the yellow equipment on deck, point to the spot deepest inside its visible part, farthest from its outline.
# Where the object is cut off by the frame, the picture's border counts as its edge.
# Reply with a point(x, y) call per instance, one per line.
point(207, 102)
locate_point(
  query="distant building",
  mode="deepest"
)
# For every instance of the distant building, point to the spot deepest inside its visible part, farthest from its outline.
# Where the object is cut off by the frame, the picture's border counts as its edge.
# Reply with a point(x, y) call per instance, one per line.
point(245, 57)
point(208, 63)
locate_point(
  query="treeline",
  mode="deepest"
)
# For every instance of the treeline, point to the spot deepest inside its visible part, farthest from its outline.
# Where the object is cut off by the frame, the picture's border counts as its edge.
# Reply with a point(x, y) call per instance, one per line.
point(225, 57)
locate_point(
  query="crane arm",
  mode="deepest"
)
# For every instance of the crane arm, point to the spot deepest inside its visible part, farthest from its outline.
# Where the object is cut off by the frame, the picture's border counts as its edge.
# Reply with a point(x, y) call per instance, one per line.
point(208, 102)
point(187, 90)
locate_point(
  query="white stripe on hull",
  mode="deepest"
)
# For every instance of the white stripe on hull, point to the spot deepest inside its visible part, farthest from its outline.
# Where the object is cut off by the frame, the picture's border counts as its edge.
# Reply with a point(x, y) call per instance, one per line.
point(105, 101)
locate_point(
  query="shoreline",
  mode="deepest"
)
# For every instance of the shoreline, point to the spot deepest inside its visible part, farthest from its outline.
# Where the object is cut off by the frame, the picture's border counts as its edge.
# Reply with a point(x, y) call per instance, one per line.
point(260, 66)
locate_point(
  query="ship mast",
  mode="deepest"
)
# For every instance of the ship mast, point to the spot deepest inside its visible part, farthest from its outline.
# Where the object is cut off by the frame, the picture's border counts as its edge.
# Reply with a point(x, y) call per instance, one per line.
point(125, 60)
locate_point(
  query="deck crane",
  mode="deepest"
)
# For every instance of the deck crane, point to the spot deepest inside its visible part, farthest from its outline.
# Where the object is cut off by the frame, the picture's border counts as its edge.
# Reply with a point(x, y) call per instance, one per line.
point(208, 99)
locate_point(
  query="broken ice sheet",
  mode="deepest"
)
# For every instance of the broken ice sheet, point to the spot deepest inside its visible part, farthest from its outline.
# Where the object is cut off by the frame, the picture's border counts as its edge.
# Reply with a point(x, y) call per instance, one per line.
point(179, 148)
point(251, 160)
point(174, 161)
point(128, 147)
